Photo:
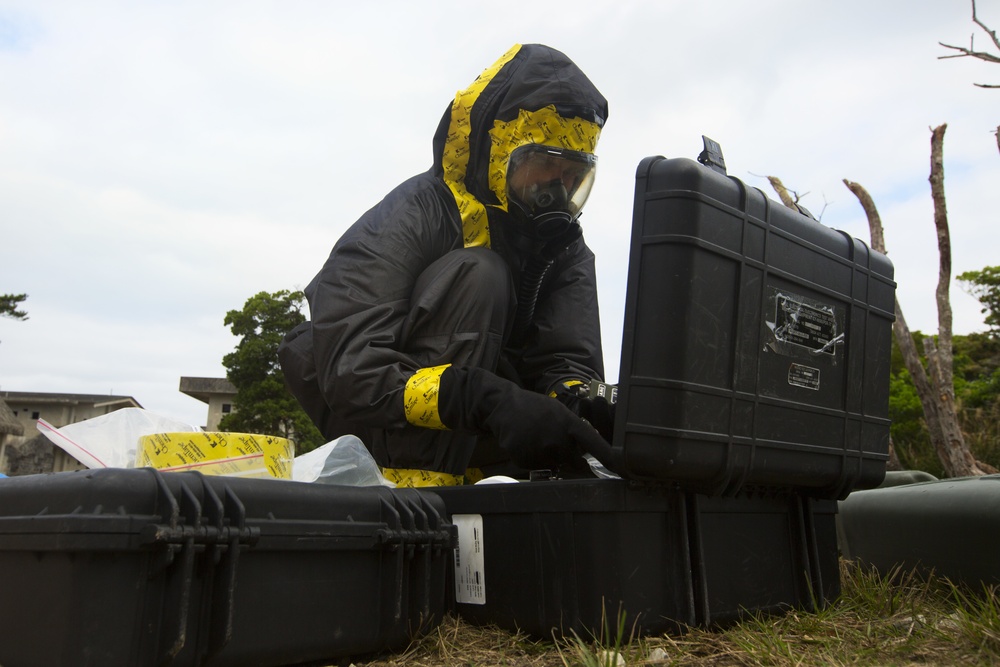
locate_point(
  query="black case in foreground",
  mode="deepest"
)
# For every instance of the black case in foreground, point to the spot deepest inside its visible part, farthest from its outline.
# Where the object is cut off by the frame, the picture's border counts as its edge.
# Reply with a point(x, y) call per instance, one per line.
point(756, 342)
point(135, 567)
point(571, 555)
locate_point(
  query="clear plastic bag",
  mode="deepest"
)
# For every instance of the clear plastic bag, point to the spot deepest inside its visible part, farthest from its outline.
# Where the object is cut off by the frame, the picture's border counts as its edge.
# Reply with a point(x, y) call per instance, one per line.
point(344, 461)
point(111, 440)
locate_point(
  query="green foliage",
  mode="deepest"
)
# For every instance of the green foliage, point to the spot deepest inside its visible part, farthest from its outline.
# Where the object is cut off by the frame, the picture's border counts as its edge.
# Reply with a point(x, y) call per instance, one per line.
point(977, 617)
point(985, 286)
point(263, 404)
point(977, 356)
point(909, 431)
point(8, 306)
point(976, 366)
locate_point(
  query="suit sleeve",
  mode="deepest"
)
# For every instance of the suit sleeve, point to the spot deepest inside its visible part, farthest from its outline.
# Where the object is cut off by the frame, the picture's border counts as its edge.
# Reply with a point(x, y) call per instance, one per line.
point(359, 301)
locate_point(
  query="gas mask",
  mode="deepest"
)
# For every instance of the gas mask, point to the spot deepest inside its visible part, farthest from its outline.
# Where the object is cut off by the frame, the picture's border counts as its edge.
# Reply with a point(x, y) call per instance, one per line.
point(547, 187)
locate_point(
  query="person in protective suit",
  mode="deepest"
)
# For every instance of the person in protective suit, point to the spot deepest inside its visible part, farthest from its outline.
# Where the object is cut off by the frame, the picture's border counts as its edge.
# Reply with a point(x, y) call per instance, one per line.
point(448, 315)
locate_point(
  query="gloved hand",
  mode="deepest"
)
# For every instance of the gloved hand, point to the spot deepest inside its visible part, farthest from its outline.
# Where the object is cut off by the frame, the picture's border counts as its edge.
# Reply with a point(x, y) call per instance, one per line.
point(535, 430)
point(598, 411)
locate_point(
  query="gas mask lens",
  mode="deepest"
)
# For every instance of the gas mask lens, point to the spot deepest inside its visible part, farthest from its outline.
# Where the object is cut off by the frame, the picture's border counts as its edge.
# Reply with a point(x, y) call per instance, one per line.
point(542, 179)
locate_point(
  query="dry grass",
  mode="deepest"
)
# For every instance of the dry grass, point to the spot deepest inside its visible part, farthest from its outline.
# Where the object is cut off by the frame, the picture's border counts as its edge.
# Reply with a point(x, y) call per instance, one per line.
point(455, 642)
point(898, 620)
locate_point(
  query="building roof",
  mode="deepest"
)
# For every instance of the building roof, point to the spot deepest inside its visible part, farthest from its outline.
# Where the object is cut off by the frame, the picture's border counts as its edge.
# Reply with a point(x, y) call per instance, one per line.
point(41, 398)
point(8, 422)
point(204, 388)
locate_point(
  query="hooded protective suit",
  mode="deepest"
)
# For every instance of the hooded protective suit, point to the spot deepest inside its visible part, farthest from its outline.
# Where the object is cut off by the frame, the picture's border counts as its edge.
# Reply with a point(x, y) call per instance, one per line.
point(403, 292)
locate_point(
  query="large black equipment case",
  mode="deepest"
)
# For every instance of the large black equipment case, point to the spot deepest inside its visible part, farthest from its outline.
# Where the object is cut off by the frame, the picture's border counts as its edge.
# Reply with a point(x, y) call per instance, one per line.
point(756, 342)
point(580, 555)
point(135, 567)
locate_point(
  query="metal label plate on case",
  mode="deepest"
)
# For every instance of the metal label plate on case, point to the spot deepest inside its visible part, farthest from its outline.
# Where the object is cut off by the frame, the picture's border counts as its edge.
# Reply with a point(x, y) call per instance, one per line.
point(801, 324)
point(803, 376)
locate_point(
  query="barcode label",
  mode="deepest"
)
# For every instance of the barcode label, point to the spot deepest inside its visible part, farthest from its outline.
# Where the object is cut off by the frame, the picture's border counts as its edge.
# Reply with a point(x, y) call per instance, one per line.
point(470, 562)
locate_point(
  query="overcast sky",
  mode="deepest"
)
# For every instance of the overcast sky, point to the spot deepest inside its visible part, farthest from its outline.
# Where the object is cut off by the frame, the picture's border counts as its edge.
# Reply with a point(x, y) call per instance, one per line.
point(161, 162)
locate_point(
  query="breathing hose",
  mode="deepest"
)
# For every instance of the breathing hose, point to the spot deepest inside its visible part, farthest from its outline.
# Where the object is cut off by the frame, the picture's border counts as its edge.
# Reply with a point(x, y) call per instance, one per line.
point(527, 295)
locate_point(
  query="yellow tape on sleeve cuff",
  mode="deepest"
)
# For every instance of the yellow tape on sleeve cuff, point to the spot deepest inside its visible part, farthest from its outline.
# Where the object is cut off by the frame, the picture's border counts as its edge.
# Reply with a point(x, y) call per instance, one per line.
point(405, 478)
point(420, 398)
point(568, 383)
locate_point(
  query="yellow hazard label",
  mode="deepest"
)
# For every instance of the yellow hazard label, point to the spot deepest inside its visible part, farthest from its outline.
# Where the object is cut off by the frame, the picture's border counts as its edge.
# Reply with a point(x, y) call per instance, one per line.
point(218, 453)
point(412, 478)
point(420, 398)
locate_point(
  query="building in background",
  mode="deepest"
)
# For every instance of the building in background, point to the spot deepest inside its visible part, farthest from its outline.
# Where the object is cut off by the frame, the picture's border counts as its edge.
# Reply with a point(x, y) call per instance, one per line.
point(24, 450)
point(218, 393)
point(9, 428)
point(31, 452)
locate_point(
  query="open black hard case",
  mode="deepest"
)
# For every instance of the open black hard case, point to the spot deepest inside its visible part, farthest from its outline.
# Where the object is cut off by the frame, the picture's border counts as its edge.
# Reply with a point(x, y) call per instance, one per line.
point(756, 343)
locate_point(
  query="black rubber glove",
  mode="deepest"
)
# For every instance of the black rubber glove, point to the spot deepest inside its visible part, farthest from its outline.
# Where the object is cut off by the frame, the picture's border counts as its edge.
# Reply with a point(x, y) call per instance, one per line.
point(535, 430)
point(575, 395)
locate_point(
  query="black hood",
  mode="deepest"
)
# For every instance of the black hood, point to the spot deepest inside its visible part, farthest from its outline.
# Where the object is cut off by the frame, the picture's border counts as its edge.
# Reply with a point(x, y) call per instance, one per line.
point(532, 94)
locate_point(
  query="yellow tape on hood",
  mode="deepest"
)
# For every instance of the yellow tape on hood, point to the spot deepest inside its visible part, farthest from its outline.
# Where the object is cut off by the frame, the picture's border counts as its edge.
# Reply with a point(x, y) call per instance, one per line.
point(544, 126)
point(455, 159)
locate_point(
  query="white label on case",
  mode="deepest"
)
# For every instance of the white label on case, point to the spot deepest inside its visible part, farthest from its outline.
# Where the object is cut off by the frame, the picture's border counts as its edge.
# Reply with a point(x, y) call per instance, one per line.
point(470, 562)
point(803, 376)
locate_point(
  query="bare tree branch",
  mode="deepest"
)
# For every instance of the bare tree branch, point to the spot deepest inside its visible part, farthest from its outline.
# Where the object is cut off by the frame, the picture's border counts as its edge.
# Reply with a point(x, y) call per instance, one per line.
point(791, 198)
point(991, 33)
point(874, 222)
point(911, 358)
point(971, 51)
point(782, 191)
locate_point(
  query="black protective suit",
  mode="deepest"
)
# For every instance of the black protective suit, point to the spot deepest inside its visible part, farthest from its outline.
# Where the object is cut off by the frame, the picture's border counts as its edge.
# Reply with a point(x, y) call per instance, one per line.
point(430, 276)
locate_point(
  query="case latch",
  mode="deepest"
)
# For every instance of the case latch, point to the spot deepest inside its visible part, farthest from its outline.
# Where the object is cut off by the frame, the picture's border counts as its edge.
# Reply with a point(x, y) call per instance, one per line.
point(712, 155)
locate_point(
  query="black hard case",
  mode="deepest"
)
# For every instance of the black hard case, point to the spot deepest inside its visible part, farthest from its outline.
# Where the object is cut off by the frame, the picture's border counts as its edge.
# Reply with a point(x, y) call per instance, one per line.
point(950, 527)
point(571, 555)
point(135, 567)
point(756, 342)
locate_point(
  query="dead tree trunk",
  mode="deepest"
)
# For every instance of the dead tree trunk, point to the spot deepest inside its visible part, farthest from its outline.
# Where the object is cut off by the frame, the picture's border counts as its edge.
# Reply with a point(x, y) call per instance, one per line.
point(782, 191)
point(940, 356)
point(899, 329)
point(935, 386)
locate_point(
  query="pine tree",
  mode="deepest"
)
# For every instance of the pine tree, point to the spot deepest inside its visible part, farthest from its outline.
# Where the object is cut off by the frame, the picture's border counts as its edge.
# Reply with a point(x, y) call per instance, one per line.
point(263, 404)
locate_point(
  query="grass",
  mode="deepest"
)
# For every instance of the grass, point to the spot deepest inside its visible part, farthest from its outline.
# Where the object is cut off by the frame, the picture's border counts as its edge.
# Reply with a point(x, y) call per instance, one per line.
point(899, 619)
